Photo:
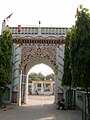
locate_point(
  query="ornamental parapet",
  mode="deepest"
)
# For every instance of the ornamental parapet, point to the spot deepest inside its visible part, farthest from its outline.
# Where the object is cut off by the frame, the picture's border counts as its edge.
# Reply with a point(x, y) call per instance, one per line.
point(39, 35)
point(44, 41)
point(53, 31)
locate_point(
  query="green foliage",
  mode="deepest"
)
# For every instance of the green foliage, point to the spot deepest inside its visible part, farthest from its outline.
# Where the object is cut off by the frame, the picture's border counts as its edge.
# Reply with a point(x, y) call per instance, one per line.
point(77, 52)
point(35, 76)
point(81, 47)
point(51, 76)
point(67, 71)
point(40, 76)
point(5, 57)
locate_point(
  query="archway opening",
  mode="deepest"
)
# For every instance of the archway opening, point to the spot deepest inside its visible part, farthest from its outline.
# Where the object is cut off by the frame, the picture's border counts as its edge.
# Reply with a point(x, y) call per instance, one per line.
point(41, 82)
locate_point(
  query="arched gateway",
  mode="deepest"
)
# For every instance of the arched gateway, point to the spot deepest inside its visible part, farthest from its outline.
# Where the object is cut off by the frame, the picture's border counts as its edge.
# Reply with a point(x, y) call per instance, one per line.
point(35, 45)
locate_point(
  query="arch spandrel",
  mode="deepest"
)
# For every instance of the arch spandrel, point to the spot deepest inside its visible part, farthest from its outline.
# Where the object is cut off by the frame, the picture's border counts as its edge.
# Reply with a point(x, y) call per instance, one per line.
point(36, 61)
point(32, 55)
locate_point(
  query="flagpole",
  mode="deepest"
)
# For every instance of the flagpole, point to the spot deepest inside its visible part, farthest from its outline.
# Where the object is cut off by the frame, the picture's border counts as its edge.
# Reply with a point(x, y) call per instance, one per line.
point(39, 23)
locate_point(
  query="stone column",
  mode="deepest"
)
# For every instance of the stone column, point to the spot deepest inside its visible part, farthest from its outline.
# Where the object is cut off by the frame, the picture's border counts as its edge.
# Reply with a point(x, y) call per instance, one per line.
point(26, 90)
point(42, 89)
point(16, 72)
point(60, 63)
point(33, 87)
point(51, 87)
point(19, 89)
point(36, 87)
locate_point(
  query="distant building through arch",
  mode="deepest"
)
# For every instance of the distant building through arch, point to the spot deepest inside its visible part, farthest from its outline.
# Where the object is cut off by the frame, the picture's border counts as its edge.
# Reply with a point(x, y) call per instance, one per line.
point(42, 87)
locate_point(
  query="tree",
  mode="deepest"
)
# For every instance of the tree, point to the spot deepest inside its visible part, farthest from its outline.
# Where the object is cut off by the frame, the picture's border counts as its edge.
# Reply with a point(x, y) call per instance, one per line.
point(51, 76)
point(66, 80)
point(81, 71)
point(40, 76)
point(5, 58)
point(80, 50)
point(79, 53)
point(77, 49)
point(35, 76)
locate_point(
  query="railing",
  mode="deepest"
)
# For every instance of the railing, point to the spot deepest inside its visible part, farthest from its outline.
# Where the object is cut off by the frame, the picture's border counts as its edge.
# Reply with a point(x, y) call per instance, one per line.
point(39, 30)
point(24, 30)
point(54, 31)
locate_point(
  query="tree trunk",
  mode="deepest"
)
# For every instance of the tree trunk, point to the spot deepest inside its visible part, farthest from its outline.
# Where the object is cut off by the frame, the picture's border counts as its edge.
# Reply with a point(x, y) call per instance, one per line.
point(87, 92)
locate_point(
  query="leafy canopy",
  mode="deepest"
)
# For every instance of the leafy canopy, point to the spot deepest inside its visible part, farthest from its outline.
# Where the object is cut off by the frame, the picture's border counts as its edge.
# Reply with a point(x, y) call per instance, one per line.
point(5, 57)
point(40, 76)
point(77, 52)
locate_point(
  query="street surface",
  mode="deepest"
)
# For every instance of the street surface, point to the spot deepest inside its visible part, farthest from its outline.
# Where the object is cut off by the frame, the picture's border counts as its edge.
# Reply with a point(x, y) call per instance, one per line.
point(39, 108)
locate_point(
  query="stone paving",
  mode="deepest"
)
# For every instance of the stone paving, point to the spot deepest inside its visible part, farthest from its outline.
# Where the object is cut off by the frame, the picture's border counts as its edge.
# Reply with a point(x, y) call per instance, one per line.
point(39, 108)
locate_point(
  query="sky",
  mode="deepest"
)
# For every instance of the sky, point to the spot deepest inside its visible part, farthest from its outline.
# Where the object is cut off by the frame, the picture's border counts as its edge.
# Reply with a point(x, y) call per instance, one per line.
point(51, 13)
point(46, 69)
point(55, 13)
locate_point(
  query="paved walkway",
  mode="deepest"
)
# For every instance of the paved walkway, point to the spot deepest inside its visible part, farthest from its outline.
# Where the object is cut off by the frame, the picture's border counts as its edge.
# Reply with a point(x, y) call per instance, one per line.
point(39, 108)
